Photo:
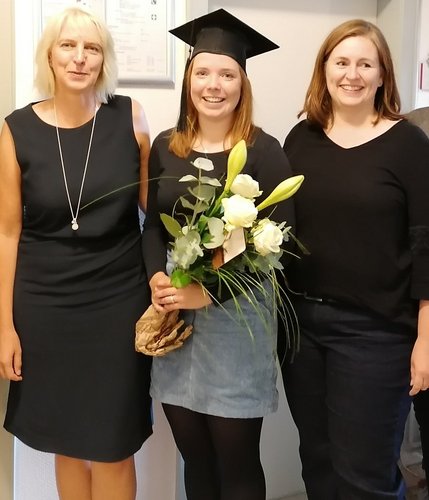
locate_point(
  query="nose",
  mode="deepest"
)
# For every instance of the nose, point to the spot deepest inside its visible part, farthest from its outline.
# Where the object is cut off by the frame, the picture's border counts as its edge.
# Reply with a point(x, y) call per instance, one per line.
point(79, 54)
point(352, 72)
point(213, 81)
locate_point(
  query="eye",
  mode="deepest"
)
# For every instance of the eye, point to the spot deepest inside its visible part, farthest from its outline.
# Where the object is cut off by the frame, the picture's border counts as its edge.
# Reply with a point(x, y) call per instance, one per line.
point(201, 72)
point(66, 45)
point(228, 76)
point(93, 49)
point(341, 63)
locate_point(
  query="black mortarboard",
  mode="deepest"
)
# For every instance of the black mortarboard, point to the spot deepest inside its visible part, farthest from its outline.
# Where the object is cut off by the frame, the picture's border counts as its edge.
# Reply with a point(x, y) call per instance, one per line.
point(220, 32)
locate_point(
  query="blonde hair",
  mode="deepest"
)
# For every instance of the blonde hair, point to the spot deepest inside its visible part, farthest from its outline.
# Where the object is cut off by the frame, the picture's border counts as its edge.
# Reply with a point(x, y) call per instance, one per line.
point(318, 102)
point(45, 79)
point(181, 143)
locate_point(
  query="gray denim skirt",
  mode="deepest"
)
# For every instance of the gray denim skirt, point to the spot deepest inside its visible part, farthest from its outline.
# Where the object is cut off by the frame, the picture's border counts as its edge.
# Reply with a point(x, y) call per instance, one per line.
point(227, 367)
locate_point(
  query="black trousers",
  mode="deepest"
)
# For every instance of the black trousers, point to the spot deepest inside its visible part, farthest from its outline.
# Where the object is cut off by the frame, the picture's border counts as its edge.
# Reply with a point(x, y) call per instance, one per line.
point(421, 410)
point(348, 393)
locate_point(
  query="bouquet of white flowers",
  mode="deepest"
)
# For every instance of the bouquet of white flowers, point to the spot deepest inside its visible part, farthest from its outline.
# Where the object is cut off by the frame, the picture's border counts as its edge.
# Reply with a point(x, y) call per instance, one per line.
point(223, 242)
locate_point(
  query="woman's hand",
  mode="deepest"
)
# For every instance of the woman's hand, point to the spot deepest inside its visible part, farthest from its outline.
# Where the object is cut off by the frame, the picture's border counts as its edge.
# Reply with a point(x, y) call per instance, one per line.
point(420, 354)
point(420, 366)
point(166, 297)
point(10, 356)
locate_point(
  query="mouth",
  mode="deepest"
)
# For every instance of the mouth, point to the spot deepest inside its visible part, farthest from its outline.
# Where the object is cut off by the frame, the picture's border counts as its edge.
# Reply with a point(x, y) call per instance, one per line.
point(213, 100)
point(77, 73)
point(351, 88)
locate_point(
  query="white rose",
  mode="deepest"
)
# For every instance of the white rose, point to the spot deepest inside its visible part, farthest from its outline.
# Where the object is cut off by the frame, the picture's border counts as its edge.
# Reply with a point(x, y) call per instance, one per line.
point(246, 186)
point(238, 212)
point(267, 237)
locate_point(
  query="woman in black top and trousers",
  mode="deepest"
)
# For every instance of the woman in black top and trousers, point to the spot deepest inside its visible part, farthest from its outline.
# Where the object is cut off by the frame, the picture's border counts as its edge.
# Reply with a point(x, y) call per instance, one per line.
point(362, 293)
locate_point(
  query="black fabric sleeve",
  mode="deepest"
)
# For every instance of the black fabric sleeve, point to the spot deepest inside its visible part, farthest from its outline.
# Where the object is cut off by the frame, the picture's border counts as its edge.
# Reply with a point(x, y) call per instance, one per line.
point(415, 179)
point(273, 168)
point(154, 243)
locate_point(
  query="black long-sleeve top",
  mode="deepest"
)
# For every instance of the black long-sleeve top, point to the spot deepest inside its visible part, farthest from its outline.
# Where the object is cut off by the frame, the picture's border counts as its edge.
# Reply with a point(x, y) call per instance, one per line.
point(266, 163)
point(363, 213)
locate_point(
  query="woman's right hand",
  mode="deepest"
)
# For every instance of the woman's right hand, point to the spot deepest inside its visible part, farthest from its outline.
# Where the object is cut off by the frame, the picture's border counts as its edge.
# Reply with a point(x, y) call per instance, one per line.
point(10, 356)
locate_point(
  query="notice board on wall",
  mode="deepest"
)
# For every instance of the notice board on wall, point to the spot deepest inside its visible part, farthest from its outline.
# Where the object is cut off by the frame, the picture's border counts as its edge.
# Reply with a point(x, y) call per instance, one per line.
point(143, 45)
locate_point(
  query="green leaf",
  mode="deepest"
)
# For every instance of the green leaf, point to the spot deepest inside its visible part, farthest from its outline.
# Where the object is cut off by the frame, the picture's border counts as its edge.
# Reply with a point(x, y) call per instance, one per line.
point(211, 181)
point(171, 224)
point(186, 204)
point(188, 178)
point(203, 193)
point(201, 207)
point(180, 278)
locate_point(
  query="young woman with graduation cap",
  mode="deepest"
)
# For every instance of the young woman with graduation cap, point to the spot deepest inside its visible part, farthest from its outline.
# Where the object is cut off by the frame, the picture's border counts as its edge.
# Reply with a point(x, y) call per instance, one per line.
point(217, 388)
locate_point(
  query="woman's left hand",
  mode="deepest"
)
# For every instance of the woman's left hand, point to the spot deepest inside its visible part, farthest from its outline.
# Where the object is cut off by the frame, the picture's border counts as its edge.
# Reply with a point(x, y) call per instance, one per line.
point(166, 297)
point(420, 366)
point(192, 296)
point(420, 356)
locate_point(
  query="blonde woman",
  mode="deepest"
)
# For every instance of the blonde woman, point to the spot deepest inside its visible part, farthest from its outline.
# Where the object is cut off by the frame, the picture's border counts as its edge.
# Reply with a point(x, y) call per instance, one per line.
point(72, 278)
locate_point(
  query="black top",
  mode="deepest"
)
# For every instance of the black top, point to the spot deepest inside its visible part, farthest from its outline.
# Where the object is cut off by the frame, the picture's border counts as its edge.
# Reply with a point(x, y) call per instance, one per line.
point(108, 228)
point(363, 213)
point(266, 163)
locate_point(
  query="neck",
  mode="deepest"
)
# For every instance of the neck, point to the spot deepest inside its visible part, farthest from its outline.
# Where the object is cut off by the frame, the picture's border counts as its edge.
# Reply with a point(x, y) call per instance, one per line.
point(74, 109)
point(212, 135)
point(352, 117)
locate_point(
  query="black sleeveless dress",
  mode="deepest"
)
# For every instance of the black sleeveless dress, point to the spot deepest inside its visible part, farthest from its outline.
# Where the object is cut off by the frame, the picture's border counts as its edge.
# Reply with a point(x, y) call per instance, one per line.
point(78, 294)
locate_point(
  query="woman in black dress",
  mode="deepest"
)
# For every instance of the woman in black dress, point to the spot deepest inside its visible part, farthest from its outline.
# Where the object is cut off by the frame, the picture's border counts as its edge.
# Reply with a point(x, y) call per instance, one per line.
point(73, 282)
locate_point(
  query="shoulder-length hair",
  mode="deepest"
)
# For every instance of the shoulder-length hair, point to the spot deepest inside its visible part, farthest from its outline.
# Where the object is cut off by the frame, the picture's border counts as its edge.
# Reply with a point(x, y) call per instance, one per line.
point(75, 16)
point(318, 102)
point(181, 142)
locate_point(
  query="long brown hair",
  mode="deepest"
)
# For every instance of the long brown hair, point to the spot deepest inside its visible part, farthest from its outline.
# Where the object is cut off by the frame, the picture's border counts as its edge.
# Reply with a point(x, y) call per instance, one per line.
point(318, 102)
point(181, 142)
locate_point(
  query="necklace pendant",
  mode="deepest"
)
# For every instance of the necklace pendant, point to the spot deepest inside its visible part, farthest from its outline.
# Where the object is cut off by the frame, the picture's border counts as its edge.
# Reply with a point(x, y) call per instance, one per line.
point(75, 225)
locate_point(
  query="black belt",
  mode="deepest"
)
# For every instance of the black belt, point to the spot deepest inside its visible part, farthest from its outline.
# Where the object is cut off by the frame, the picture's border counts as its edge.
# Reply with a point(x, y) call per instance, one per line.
point(320, 300)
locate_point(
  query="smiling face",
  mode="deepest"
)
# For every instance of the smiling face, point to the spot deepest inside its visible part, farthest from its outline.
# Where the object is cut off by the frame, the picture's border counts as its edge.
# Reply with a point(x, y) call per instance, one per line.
point(76, 58)
point(353, 74)
point(215, 86)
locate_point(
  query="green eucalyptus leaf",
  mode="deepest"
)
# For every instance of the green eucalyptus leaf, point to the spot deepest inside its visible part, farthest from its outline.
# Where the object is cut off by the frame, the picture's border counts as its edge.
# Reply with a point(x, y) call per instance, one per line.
point(203, 192)
point(186, 204)
point(188, 178)
point(211, 181)
point(201, 207)
point(180, 278)
point(171, 224)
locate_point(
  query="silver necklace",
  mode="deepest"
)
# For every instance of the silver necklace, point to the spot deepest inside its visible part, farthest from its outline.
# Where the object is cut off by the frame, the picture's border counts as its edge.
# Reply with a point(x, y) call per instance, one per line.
point(74, 214)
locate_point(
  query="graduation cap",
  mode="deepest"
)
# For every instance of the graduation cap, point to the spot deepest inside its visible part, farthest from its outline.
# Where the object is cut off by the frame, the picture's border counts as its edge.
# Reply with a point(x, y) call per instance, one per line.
point(219, 32)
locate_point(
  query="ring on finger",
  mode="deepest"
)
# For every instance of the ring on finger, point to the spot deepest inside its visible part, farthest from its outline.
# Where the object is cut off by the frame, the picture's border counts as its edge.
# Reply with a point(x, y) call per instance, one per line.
point(172, 299)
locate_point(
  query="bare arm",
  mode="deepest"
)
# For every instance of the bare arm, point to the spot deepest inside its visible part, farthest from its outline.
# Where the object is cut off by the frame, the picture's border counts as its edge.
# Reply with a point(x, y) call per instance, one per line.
point(10, 230)
point(141, 131)
point(420, 355)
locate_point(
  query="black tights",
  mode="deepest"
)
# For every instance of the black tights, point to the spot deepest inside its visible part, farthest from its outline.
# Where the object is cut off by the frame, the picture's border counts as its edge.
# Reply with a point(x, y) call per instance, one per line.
point(221, 455)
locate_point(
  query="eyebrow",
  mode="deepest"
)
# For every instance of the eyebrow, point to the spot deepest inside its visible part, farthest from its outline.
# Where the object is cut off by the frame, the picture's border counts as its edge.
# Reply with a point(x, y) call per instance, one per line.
point(231, 70)
point(68, 39)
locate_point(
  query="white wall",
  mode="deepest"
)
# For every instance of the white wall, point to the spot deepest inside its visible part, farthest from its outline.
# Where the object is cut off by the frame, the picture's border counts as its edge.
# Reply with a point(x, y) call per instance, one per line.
point(399, 22)
point(279, 81)
point(422, 98)
point(6, 106)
